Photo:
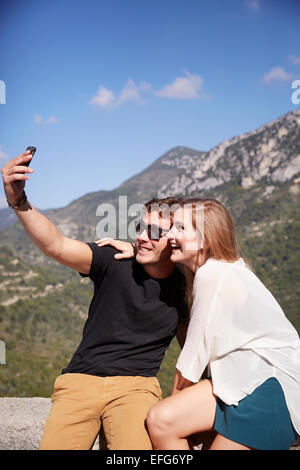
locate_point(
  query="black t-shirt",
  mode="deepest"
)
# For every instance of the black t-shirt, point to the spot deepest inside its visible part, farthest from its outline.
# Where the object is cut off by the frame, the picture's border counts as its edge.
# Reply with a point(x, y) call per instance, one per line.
point(132, 318)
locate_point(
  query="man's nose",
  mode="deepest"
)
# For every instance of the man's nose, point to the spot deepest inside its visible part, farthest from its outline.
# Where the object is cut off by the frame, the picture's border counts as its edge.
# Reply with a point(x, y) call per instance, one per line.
point(143, 235)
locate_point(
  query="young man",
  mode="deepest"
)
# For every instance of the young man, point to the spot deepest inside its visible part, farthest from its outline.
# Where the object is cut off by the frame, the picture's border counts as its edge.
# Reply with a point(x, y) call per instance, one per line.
point(137, 308)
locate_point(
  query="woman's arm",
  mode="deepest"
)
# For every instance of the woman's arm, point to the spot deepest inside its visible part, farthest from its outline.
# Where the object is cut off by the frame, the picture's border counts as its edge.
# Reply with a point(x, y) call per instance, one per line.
point(181, 334)
point(180, 383)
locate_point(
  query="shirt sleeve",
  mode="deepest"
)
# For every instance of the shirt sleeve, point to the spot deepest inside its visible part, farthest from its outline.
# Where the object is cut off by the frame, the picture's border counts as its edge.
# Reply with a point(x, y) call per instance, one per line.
point(247, 316)
point(102, 258)
point(197, 349)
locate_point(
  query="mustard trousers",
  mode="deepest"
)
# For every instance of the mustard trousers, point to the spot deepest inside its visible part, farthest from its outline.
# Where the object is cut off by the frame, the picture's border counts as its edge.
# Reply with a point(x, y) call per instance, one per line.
point(82, 403)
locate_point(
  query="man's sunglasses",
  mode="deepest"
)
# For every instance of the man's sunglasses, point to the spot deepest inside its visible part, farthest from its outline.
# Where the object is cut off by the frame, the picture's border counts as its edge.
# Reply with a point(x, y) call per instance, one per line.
point(154, 232)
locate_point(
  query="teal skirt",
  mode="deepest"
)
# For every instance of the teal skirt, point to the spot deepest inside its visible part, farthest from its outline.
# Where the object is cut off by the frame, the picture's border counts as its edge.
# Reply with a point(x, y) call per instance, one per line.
point(261, 420)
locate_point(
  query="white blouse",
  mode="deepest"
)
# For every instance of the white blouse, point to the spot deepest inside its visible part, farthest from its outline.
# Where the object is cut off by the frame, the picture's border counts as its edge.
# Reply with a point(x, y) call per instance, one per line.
point(239, 330)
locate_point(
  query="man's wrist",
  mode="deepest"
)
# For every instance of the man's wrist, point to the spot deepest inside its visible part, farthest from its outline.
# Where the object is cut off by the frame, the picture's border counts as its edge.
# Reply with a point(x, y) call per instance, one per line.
point(21, 204)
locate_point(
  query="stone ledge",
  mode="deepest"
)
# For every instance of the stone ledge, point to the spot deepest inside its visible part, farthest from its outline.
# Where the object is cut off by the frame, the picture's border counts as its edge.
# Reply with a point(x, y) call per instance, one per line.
point(22, 422)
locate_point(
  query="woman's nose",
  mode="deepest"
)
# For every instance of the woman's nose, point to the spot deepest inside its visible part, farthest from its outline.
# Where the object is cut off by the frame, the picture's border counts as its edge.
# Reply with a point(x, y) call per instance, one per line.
point(170, 235)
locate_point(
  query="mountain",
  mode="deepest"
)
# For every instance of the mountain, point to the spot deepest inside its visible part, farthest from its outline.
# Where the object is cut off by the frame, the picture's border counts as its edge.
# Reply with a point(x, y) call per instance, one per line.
point(269, 155)
point(7, 217)
point(266, 157)
point(43, 305)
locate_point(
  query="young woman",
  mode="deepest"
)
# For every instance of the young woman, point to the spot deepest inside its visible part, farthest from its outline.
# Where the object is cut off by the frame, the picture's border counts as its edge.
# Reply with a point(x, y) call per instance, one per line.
point(239, 332)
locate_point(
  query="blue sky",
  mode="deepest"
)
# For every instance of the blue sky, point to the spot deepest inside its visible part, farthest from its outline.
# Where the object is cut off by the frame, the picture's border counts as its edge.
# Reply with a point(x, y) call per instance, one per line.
point(103, 88)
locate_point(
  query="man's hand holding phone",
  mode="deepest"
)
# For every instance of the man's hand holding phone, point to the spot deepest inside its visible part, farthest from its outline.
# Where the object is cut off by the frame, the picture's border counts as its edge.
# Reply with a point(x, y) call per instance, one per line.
point(14, 174)
point(47, 237)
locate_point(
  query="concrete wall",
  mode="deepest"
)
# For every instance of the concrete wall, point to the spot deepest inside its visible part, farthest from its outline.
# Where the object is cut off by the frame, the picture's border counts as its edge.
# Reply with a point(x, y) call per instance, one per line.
point(22, 422)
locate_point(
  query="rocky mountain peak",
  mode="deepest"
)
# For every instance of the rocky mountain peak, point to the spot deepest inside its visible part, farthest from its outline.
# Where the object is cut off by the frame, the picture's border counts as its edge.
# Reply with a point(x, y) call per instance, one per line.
point(271, 152)
point(268, 156)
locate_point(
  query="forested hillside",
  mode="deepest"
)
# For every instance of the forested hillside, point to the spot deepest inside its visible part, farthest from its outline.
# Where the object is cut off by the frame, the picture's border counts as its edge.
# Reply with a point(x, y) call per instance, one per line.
point(43, 305)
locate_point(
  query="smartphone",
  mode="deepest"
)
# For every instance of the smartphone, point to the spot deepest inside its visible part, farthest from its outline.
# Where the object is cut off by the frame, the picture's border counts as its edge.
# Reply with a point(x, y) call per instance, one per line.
point(32, 151)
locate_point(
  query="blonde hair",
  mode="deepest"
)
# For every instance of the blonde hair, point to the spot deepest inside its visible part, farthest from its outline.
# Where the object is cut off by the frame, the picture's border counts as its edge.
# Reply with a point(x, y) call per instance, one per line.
point(219, 236)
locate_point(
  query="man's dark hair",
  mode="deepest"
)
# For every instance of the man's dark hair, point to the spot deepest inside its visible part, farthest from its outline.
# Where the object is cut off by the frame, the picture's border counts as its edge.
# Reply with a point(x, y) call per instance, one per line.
point(169, 201)
point(164, 206)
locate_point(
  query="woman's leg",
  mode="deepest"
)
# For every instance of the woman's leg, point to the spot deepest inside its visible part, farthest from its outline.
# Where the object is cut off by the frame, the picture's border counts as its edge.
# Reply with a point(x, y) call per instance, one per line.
point(175, 418)
point(222, 443)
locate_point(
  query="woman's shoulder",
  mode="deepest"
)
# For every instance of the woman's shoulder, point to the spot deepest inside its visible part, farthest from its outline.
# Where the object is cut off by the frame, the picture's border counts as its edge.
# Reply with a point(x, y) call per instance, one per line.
point(216, 271)
point(216, 268)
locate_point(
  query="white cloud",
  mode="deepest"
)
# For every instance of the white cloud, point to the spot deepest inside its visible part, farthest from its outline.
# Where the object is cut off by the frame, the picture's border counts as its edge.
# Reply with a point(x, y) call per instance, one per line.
point(295, 60)
point(145, 86)
point(3, 155)
point(130, 92)
point(183, 88)
point(253, 5)
point(106, 99)
point(37, 118)
point(51, 120)
point(188, 87)
point(276, 75)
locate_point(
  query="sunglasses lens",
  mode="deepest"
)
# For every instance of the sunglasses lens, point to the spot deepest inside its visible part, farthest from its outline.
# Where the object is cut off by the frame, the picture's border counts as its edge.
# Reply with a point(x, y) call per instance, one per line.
point(153, 231)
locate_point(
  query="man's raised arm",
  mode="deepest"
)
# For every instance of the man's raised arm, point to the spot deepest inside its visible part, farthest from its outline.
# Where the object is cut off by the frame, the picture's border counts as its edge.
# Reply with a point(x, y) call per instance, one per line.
point(73, 253)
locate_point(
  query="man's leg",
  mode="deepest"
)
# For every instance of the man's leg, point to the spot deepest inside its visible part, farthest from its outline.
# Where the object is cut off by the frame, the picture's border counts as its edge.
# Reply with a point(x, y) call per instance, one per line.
point(124, 417)
point(73, 422)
